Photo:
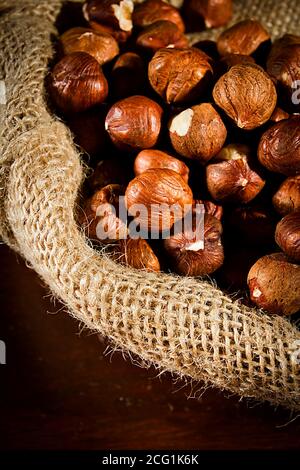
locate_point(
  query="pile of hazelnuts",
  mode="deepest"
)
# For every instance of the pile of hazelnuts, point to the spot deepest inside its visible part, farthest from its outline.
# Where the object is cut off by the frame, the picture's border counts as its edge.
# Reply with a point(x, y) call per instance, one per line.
point(215, 124)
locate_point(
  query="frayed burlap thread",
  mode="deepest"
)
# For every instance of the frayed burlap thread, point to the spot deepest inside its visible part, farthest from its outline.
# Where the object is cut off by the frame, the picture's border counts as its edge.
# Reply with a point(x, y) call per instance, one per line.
point(186, 326)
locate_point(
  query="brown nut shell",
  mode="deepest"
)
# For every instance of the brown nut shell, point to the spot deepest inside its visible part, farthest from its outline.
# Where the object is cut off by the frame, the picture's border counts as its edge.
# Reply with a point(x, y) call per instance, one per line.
point(154, 187)
point(159, 35)
point(198, 132)
point(136, 253)
point(134, 123)
point(192, 255)
point(247, 95)
point(114, 13)
point(287, 235)
point(274, 284)
point(148, 159)
point(102, 46)
point(283, 63)
point(244, 38)
point(151, 11)
point(279, 147)
point(215, 13)
point(77, 83)
point(287, 197)
point(233, 180)
point(180, 75)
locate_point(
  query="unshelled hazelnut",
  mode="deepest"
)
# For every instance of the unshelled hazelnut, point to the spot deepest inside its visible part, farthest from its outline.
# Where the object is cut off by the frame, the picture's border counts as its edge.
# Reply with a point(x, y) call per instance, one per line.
point(198, 132)
point(287, 235)
point(102, 46)
point(283, 65)
point(152, 158)
point(244, 38)
point(274, 284)
point(179, 75)
point(247, 95)
point(210, 208)
point(213, 13)
point(287, 197)
point(164, 196)
point(100, 218)
point(151, 11)
point(159, 35)
point(279, 115)
point(116, 14)
point(77, 83)
point(254, 224)
point(134, 123)
point(231, 178)
point(135, 253)
point(128, 76)
point(88, 128)
point(194, 253)
point(279, 147)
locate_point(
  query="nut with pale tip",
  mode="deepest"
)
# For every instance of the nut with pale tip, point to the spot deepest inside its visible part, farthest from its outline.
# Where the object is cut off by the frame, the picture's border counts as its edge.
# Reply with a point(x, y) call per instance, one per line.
point(116, 14)
point(230, 177)
point(274, 283)
point(193, 253)
point(198, 132)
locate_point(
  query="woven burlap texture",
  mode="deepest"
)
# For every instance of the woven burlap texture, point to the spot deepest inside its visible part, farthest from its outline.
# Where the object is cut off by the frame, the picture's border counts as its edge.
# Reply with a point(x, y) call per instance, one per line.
point(182, 325)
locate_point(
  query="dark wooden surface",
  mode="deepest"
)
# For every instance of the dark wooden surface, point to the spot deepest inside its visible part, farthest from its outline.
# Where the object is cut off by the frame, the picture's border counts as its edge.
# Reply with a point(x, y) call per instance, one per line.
point(60, 390)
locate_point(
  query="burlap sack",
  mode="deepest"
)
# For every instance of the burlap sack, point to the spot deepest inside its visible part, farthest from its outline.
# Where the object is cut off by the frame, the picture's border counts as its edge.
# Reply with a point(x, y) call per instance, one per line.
point(185, 326)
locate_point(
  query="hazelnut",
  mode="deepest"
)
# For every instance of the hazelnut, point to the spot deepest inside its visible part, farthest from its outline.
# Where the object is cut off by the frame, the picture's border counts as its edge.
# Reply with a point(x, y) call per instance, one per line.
point(213, 13)
point(274, 284)
point(109, 172)
point(279, 147)
point(210, 208)
point(161, 34)
point(128, 76)
point(287, 235)
point(88, 128)
point(148, 159)
point(254, 224)
point(135, 253)
point(179, 75)
point(116, 14)
point(247, 95)
point(193, 253)
point(101, 219)
point(151, 11)
point(198, 132)
point(102, 46)
point(283, 64)
point(231, 178)
point(163, 194)
point(134, 123)
point(279, 115)
point(77, 83)
point(287, 198)
point(244, 38)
